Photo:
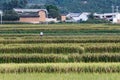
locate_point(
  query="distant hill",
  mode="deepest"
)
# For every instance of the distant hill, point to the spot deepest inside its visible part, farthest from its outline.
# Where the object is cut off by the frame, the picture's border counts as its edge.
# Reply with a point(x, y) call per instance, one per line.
point(81, 5)
point(78, 5)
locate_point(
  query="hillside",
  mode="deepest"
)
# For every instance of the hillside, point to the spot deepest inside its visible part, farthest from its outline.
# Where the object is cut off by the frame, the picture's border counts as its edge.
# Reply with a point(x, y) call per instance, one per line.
point(79, 5)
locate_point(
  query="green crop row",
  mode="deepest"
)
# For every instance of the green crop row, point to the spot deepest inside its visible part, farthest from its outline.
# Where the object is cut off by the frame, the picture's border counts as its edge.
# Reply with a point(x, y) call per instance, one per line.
point(29, 36)
point(42, 49)
point(53, 58)
point(61, 48)
point(61, 68)
point(60, 32)
point(106, 57)
point(102, 49)
point(11, 39)
point(60, 41)
point(32, 58)
point(61, 26)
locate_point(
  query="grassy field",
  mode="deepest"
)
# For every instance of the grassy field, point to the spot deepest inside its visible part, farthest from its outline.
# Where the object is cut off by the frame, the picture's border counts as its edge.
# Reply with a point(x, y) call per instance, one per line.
point(62, 29)
point(65, 52)
point(56, 76)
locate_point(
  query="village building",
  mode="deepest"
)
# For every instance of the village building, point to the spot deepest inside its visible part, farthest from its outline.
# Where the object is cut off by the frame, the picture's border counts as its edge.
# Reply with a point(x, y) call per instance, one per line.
point(51, 20)
point(76, 17)
point(63, 17)
point(32, 15)
point(112, 17)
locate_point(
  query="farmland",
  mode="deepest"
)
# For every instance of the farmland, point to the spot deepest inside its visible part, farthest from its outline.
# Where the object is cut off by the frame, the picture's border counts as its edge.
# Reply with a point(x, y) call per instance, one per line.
point(74, 49)
point(63, 76)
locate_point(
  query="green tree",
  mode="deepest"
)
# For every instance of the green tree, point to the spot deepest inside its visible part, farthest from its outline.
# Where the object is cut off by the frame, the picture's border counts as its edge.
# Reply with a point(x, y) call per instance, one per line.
point(91, 16)
point(14, 4)
point(53, 11)
point(10, 15)
point(36, 6)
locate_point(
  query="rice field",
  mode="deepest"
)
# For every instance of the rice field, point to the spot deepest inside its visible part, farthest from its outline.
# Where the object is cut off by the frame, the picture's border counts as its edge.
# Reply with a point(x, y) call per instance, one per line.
point(61, 68)
point(83, 51)
point(63, 76)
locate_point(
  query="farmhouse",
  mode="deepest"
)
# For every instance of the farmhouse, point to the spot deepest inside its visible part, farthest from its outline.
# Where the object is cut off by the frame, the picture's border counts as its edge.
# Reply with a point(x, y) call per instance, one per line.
point(32, 15)
point(75, 17)
point(63, 17)
point(113, 17)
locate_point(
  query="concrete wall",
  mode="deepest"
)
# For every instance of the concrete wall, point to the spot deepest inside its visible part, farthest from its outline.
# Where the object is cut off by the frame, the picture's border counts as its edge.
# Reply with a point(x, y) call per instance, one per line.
point(29, 19)
point(51, 20)
point(63, 18)
point(116, 19)
point(42, 15)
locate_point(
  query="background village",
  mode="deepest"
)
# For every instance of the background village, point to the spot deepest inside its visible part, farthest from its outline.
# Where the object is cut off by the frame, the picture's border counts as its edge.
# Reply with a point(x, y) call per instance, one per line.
point(41, 16)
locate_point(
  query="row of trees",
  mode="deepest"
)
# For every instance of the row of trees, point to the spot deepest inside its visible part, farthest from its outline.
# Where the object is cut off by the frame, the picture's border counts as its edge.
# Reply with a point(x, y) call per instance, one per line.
point(7, 7)
point(14, 4)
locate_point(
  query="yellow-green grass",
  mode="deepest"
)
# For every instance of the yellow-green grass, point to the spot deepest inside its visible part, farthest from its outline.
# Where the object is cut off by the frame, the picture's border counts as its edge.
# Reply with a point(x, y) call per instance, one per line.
point(55, 39)
point(61, 44)
point(61, 48)
point(58, 58)
point(62, 29)
point(61, 68)
point(62, 76)
point(62, 26)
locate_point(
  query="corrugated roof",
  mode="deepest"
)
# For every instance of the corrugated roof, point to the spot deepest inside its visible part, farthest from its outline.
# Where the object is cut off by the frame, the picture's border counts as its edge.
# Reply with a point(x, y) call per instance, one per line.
point(29, 10)
point(73, 14)
point(105, 14)
point(33, 14)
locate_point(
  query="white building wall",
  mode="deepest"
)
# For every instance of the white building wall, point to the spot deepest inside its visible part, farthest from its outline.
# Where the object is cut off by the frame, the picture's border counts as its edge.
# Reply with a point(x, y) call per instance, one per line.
point(116, 19)
point(51, 20)
point(83, 17)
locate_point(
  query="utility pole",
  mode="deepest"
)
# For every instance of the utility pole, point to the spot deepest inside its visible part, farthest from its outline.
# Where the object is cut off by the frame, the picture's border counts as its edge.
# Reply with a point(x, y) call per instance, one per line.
point(1, 13)
point(113, 9)
point(117, 9)
point(1, 18)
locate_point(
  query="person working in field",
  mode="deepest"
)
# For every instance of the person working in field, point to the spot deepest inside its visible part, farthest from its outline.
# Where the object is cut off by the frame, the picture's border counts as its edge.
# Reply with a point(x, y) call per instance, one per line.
point(41, 34)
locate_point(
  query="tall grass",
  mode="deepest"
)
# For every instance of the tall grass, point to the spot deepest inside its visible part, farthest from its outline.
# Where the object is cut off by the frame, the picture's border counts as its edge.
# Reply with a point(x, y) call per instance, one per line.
point(57, 58)
point(32, 58)
point(107, 57)
point(42, 49)
point(61, 48)
point(61, 68)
